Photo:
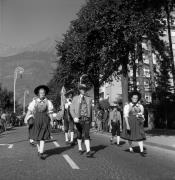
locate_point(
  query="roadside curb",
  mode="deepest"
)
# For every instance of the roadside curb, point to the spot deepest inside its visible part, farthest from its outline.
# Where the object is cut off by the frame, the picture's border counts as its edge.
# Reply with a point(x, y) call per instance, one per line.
point(160, 146)
point(153, 144)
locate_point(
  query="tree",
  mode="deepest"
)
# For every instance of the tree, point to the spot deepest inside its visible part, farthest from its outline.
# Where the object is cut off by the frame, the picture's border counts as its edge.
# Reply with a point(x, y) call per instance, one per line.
point(102, 38)
point(6, 99)
point(87, 46)
point(143, 18)
point(169, 5)
point(151, 66)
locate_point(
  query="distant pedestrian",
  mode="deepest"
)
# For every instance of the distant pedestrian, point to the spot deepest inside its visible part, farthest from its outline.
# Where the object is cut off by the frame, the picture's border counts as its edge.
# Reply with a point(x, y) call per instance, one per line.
point(13, 118)
point(42, 109)
point(4, 120)
point(116, 123)
point(99, 119)
point(110, 118)
point(133, 122)
point(105, 120)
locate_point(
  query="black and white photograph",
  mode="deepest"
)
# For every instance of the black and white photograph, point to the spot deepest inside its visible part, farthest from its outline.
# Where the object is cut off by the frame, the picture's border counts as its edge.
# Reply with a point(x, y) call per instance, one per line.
point(87, 89)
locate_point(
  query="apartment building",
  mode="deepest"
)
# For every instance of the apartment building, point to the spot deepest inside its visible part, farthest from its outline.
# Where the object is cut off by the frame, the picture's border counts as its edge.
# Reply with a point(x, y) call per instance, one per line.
point(113, 90)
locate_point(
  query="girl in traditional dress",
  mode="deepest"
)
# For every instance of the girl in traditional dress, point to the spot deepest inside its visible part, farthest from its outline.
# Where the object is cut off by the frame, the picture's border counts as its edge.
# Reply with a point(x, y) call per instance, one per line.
point(67, 118)
point(133, 122)
point(41, 108)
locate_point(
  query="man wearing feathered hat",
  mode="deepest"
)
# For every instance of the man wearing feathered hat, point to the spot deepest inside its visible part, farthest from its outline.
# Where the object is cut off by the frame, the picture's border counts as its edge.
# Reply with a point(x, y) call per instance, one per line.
point(81, 111)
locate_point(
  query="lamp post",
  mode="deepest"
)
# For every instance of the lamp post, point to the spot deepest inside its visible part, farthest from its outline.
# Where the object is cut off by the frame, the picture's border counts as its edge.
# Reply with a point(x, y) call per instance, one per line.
point(19, 70)
point(26, 92)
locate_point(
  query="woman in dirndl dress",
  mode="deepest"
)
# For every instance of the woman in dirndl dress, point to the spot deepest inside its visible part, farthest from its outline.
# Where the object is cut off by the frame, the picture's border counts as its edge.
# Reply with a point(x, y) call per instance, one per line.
point(42, 110)
point(133, 127)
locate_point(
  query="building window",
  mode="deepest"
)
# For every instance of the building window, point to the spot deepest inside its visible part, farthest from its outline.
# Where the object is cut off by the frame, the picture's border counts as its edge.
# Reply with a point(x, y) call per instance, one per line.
point(102, 95)
point(146, 84)
point(148, 98)
point(173, 33)
point(146, 72)
point(173, 46)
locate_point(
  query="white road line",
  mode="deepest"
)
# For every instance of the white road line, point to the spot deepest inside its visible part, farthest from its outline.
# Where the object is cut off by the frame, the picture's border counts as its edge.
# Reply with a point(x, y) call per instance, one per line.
point(70, 161)
point(10, 146)
point(56, 144)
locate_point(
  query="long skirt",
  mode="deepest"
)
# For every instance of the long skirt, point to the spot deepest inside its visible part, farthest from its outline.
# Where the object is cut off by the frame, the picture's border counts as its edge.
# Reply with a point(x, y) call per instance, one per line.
point(41, 126)
point(136, 132)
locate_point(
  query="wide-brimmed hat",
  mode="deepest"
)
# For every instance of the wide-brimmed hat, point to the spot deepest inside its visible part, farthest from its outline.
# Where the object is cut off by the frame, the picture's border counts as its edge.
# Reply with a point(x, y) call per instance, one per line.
point(82, 86)
point(36, 90)
point(135, 93)
point(71, 91)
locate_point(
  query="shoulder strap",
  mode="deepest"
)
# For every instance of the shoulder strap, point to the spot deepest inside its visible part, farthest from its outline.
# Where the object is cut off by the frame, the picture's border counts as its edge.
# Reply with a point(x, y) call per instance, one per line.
point(130, 107)
point(47, 103)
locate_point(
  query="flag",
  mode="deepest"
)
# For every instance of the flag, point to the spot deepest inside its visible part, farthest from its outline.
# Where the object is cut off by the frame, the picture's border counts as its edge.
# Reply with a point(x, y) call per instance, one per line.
point(21, 75)
point(63, 91)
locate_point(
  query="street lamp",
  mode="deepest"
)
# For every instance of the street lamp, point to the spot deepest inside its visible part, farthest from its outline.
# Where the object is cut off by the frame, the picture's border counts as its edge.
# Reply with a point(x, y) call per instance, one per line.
point(26, 92)
point(19, 70)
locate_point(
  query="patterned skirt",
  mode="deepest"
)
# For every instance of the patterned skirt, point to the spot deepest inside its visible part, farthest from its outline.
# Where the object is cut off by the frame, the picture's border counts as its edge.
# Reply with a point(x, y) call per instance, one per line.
point(41, 127)
point(136, 132)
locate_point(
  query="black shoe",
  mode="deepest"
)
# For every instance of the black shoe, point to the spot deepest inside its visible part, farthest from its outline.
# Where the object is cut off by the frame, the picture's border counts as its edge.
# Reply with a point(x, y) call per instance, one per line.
point(143, 154)
point(131, 151)
point(41, 156)
point(89, 154)
point(80, 152)
point(72, 143)
point(111, 141)
point(67, 142)
point(118, 145)
point(32, 144)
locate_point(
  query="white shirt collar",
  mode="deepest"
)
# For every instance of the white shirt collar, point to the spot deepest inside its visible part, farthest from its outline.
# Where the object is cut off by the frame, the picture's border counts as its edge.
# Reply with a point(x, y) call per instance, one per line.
point(39, 100)
point(133, 104)
point(81, 95)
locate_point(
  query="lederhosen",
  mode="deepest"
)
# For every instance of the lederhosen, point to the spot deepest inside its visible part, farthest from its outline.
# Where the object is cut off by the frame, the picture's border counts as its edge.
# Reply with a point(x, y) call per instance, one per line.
point(68, 120)
point(83, 127)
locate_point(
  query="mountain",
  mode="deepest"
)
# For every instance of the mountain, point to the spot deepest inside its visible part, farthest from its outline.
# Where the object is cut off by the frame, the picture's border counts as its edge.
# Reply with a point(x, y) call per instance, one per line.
point(46, 45)
point(38, 61)
point(6, 50)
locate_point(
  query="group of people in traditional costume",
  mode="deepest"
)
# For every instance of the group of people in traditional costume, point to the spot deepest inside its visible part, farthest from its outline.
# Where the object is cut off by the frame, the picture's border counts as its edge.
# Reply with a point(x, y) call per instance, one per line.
point(77, 112)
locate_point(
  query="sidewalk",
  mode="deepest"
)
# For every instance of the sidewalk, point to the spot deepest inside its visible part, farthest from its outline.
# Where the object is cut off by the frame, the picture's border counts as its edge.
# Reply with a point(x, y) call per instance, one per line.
point(164, 139)
point(161, 138)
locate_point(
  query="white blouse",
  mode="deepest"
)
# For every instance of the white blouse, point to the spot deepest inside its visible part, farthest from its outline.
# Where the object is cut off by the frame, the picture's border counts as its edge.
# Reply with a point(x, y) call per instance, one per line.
point(31, 106)
point(127, 109)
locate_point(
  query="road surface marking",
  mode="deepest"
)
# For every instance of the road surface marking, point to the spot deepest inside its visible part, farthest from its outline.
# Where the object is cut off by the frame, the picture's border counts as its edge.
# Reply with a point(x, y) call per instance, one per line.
point(9, 145)
point(70, 161)
point(56, 144)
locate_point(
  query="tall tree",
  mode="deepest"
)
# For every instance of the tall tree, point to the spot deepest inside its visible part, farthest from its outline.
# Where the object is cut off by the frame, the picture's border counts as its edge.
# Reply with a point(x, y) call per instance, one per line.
point(101, 39)
point(168, 9)
point(151, 66)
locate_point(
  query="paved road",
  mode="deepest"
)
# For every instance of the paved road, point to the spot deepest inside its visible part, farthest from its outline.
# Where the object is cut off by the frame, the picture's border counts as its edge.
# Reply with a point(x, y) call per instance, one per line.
point(19, 161)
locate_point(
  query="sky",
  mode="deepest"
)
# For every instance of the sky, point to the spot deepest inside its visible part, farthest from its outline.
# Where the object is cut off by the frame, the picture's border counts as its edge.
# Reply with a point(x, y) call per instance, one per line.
point(24, 22)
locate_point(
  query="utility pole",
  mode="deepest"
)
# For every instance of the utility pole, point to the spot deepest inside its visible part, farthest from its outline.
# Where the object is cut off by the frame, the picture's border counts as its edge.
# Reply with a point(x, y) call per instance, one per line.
point(2, 15)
